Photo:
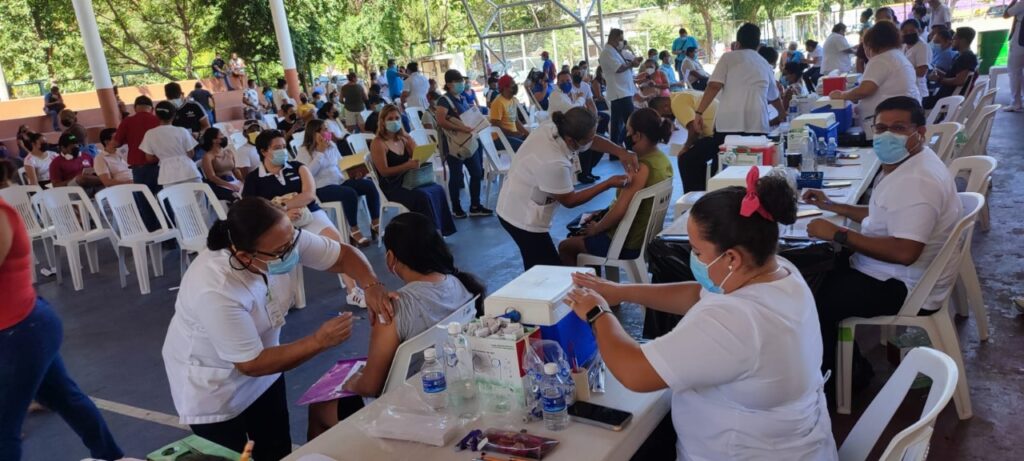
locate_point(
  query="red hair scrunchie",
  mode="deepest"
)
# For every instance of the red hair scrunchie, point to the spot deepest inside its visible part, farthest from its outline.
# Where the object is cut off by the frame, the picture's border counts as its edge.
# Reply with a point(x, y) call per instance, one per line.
point(751, 202)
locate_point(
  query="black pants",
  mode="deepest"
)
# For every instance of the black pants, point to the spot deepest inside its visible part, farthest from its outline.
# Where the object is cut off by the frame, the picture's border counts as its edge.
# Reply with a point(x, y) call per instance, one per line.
point(147, 174)
point(348, 406)
point(622, 108)
point(700, 83)
point(588, 160)
point(537, 248)
point(811, 77)
point(265, 421)
point(846, 293)
point(693, 164)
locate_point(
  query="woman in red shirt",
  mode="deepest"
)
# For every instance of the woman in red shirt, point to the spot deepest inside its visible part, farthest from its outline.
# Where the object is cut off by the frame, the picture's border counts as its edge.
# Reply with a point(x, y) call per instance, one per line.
point(30, 363)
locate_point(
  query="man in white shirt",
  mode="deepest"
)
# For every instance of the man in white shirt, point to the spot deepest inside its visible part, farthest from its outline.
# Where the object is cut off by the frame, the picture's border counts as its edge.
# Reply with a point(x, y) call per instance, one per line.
point(693, 72)
point(918, 53)
point(415, 89)
point(1015, 61)
point(913, 210)
point(251, 101)
point(940, 14)
point(837, 51)
point(746, 83)
point(813, 57)
point(618, 72)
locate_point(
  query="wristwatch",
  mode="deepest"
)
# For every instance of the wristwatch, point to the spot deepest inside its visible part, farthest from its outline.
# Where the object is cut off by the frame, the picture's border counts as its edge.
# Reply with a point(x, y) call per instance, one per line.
point(596, 312)
point(841, 236)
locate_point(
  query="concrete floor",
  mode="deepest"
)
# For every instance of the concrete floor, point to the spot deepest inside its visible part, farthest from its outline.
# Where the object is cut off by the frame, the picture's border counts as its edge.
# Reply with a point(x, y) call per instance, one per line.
point(113, 336)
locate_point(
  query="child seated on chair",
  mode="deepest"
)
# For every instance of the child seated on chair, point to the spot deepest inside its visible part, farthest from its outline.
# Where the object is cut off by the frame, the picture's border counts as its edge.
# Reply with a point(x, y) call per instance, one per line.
point(646, 129)
point(434, 289)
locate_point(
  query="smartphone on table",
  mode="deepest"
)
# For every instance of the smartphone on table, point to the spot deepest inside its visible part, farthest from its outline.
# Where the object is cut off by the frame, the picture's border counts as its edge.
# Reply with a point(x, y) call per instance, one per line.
point(599, 415)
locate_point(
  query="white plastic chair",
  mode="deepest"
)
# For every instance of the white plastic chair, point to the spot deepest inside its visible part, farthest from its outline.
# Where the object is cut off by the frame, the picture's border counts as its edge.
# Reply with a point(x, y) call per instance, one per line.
point(385, 204)
point(237, 140)
point(365, 115)
point(938, 326)
point(20, 197)
point(949, 106)
point(978, 131)
point(660, 196)
point(496, 162)
point(910, 444)
point(941, 137)
point(269, 121)
point(415, 115)
point(425, 136)
point(970, 104)
point(685, 202)
point(75, 222)
point(298, 137)
point(22, 176)
point(359, 142)
point(225, 128)
point(190, 203)
point(131, 230)
point(967, 291)
point(433, 336)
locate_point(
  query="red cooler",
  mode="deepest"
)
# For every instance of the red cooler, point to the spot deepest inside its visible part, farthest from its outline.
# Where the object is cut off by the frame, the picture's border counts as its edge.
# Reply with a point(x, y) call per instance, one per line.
point(831, 84)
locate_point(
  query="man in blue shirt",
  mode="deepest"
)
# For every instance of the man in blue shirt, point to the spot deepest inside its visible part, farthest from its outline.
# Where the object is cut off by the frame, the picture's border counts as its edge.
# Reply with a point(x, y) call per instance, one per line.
point(944, 54)
point(548, 69)
point(679, 46)
point(395, 80)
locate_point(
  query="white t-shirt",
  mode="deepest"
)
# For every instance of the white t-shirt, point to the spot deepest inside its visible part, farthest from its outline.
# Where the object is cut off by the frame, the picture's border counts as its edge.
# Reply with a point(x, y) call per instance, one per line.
point(171, 144)
point(1017, 11)
point(417, 85)
point(247, 157)
point(620, 84)
point(115, 164)
point(251, 98)
point(749, 84)
point(542, 167)
point(335, 128)
point(918, 202)
point(745, 373)
point(691, 69)
point(836, 57)
point(818, 55)
point(919, 55)
point(940, 15)
point(323, 165)
point(561, 102)
point(41, 165)
point(224, 316)
point(894, 75)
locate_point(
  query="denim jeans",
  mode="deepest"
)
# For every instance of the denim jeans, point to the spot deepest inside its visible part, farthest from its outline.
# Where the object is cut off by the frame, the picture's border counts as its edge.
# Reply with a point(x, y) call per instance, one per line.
point(514, 142)
point(622, 108)
point(226, 78)
point(348, 194)
point(475, 165)
point(54, 119)
point(31, 368)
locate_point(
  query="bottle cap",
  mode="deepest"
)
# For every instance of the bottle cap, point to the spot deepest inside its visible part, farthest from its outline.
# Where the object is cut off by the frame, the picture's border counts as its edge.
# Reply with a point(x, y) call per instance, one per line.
point(429, 354)
point(550, 368)
point(454, 328)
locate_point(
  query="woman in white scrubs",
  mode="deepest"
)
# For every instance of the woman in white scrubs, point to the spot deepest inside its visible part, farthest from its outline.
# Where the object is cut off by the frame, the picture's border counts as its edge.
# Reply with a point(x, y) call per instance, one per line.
point(541, 177)
point(222, 352)
point(743, 364)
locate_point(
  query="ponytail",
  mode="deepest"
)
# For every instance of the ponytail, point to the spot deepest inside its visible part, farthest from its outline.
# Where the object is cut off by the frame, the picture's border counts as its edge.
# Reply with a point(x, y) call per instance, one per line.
point(651, 125)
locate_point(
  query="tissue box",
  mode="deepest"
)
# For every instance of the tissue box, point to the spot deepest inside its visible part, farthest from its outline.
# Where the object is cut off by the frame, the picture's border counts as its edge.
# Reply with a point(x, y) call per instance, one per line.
point(498, 363)
point(733, 176)
point(537, 294)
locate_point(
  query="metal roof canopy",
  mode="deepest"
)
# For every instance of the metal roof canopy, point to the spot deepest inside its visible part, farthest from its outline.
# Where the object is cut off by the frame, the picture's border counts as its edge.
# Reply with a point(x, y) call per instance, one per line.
point(578, 20)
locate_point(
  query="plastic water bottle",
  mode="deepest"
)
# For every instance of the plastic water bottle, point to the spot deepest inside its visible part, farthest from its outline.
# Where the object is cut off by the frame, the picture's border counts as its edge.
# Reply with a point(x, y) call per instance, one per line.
point(458, 358)
point(792, 112)
point(556, 413)
point(821, 152)
point(435, 387)
point(833, 152)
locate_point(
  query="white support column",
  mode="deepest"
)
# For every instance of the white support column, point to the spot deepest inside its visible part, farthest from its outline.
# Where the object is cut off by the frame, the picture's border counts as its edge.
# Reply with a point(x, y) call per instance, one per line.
point(3, 85)
point(97, 61)
point(284, 46)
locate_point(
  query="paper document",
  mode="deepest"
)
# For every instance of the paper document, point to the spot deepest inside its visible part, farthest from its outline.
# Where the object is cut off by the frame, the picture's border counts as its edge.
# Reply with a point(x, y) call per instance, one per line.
point(474, 119)
point(424, 152)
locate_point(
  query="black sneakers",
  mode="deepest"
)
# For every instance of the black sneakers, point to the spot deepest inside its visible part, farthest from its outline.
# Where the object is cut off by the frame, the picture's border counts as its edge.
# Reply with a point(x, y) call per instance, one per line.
point(479, 210)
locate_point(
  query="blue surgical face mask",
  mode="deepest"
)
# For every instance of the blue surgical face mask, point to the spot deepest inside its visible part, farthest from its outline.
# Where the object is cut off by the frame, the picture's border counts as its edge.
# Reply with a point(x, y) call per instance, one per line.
point(280, 157)
point(460, 87)
point(891, 148)
point(393, 126)
point(700, 273)
point(566, 87)
point(283, 265)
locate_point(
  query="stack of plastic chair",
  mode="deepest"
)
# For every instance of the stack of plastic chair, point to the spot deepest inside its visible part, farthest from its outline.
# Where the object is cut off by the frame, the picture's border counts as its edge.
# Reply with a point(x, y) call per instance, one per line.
point(948, 107)
point(20, 197)
point(967, 291)
point(75, 222)
point(978, 130)
point(946, 132)
point(131, 230)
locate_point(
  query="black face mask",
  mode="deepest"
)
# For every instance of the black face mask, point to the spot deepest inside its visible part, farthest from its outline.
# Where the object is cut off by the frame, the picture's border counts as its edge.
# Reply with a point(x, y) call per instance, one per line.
point(911, 39)
point(223, 142)
point(293, 117)
point(576, 79)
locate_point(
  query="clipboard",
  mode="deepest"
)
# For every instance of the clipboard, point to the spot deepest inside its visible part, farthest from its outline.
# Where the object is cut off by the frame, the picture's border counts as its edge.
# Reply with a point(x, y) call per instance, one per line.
point(424, 152)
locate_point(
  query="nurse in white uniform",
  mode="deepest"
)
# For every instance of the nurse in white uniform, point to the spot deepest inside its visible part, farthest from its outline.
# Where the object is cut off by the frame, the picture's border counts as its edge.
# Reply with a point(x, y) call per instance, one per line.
point(541, 177)
point(743, 364)
point(222, 352)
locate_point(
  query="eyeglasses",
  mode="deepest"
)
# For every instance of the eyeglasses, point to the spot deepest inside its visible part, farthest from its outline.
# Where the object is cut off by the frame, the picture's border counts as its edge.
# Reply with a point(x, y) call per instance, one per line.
point(896, 128)
point(285, 251)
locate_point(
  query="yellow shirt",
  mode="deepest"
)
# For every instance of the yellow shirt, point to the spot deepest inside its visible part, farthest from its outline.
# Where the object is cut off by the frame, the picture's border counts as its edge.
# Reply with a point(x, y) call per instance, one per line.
point(304, 110)
point(503, 113)
point(684, 107)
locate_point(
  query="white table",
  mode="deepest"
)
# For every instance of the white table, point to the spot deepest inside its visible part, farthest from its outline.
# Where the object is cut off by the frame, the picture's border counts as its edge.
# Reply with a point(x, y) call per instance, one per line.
point(346, 441)
point(860, 173)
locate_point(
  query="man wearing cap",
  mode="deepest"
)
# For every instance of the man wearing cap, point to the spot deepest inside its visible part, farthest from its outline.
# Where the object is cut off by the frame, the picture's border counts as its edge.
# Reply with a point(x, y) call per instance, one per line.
point(504, 112)
point(71, 168)
point(548, 69)
point(144, 171)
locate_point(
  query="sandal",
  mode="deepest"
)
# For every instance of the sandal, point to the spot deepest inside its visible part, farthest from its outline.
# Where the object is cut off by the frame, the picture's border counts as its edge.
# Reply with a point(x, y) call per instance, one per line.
point(375, 232)
point(356, 239)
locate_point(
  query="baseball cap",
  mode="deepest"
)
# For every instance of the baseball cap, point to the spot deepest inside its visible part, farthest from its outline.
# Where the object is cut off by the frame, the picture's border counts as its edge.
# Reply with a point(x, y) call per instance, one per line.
point(67, 138)
point(506, 81)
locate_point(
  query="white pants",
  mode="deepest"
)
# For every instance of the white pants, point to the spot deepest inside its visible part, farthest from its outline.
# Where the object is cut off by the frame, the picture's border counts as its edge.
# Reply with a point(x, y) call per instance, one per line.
point(1015, 66)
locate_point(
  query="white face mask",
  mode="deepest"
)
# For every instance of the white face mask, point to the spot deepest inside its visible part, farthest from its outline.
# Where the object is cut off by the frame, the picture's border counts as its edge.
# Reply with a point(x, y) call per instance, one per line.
point(177, 102)
point(650, 71)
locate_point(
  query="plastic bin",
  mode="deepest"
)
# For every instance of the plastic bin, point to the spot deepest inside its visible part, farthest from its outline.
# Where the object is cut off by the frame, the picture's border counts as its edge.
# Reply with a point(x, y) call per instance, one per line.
point(844, 116)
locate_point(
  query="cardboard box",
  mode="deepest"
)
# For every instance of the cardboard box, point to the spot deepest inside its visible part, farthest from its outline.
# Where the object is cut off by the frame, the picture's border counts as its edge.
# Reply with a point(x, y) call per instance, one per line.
point(498, 364)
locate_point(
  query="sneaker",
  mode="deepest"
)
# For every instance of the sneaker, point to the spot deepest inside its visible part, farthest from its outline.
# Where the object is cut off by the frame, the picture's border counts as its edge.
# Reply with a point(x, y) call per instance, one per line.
point(1014, 108)
point(479, 210)
point(459, 213)
point(585, 179)
point(356, 297)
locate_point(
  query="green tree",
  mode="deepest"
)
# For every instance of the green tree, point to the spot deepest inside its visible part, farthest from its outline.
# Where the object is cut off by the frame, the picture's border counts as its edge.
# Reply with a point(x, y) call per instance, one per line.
point(162, 36)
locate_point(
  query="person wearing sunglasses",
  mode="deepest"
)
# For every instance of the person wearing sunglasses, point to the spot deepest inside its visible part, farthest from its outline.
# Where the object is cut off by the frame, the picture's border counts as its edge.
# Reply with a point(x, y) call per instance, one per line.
point(222, 353)
point(913, 209)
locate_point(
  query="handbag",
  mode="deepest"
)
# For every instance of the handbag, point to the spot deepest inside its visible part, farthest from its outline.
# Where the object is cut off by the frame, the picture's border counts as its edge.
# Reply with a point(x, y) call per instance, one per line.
point(419, 177)
point(461, 145)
